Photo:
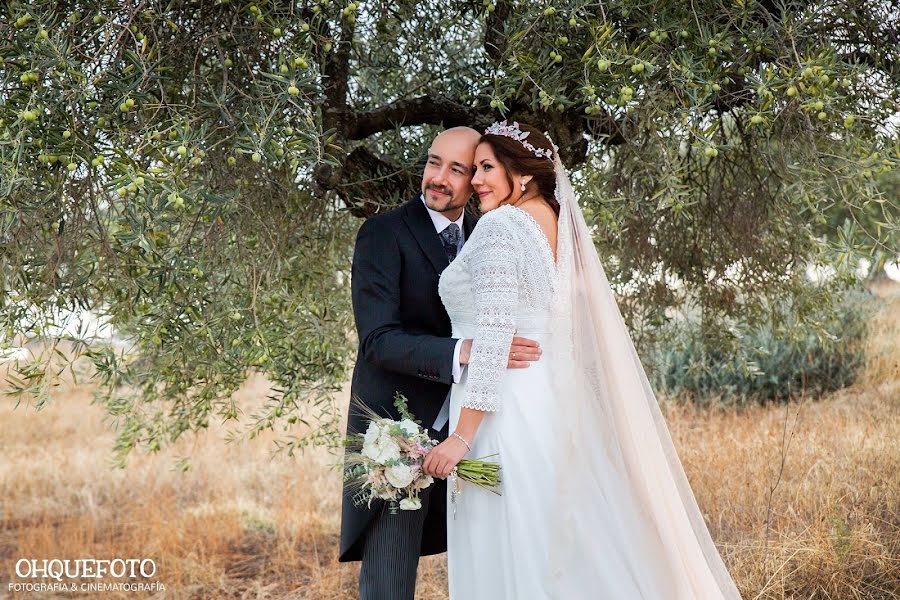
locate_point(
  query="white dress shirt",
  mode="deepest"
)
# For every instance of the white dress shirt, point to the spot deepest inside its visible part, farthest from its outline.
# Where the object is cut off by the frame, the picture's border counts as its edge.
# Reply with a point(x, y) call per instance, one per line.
point(440, 223)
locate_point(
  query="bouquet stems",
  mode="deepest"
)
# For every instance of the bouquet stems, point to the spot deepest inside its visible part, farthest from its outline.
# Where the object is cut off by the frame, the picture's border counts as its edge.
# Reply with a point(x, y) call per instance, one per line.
point(479, 472)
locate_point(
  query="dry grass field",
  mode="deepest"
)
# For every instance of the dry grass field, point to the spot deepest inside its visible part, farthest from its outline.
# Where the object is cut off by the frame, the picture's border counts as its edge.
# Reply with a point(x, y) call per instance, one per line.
point(803, 499)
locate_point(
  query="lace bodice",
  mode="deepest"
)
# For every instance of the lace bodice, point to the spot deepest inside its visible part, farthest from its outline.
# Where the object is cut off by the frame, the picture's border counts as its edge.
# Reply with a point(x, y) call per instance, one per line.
point(503, 278)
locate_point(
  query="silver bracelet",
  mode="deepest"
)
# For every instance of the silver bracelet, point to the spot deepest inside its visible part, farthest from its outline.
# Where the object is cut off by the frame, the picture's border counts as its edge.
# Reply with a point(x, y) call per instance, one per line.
point(463, 440)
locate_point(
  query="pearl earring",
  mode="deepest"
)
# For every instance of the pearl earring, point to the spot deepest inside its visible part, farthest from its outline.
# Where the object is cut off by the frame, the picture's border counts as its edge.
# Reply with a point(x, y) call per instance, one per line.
point(523, 184)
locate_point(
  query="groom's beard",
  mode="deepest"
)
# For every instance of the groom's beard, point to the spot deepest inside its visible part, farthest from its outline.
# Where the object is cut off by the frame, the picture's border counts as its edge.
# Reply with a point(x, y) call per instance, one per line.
point(440, 203)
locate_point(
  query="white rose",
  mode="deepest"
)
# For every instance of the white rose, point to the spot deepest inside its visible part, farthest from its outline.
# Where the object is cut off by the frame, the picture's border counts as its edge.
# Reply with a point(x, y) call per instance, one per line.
point(424, 482)
point(373, 431)
point(378, 444)
point(399, 476)
point(370, 439)
point(410, 504)
point(410, 427)
point(389, 449)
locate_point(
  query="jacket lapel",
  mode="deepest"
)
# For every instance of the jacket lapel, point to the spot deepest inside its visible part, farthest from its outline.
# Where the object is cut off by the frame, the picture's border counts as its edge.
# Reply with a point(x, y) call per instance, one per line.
point(469, 222)
point(422, 228)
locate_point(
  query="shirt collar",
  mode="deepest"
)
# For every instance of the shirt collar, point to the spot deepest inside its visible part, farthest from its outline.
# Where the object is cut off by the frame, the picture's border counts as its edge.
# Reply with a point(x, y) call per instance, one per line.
point(439, 220)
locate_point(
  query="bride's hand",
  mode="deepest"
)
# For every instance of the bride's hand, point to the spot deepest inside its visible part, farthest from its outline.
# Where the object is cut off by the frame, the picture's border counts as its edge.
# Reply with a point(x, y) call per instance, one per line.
point(443, 457)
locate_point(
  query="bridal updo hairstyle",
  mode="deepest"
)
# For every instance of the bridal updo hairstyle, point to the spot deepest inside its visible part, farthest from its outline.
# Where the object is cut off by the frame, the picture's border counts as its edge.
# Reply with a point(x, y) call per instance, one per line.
point(516, 158)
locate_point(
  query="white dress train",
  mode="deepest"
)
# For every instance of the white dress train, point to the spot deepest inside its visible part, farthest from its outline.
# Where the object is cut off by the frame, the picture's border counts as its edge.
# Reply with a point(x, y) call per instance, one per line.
point(501, 284)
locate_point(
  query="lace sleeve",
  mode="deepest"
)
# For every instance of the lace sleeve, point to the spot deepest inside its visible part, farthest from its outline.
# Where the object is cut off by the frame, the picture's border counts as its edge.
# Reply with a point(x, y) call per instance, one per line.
point(494, 271)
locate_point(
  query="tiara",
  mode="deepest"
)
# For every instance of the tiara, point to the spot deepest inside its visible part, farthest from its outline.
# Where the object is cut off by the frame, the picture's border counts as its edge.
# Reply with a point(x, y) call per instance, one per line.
point(513, 131)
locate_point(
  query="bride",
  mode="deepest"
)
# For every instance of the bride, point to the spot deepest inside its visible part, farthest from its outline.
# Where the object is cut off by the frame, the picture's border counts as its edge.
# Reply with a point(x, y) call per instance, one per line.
point(595, 502)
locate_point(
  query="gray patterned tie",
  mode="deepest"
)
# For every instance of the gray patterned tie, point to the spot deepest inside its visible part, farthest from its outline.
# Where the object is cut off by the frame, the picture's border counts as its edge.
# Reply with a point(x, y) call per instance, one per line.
point(450, 237)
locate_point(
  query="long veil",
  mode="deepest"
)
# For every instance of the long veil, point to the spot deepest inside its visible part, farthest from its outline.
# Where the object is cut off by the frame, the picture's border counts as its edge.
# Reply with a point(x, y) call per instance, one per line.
point(612, 450)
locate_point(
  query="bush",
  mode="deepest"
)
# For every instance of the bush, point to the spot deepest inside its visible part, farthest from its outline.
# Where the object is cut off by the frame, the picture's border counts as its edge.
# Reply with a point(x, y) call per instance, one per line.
point(781, 359)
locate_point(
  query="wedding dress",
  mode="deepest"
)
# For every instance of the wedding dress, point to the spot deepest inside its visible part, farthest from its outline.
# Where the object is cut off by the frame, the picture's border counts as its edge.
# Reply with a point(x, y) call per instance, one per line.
point(594, 502)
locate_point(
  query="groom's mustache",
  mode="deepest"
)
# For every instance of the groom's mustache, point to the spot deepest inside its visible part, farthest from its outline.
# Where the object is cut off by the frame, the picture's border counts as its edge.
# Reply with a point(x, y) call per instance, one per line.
point(439, 189)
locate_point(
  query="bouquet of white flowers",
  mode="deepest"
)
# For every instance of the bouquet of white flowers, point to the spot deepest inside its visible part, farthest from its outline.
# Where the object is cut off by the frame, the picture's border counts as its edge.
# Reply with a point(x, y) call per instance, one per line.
point(387, 461)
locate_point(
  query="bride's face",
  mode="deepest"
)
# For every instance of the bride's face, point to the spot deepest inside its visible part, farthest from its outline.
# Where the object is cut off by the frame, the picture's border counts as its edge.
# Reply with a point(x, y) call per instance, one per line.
point(490, 180)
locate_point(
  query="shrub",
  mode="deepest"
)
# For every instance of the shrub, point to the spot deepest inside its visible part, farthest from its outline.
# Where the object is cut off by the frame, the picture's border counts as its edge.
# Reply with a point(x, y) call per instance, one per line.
point(780, 359)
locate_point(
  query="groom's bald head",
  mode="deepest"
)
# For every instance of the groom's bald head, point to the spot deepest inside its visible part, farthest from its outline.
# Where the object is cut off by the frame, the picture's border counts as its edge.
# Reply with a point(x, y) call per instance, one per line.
point(446, 180)
point(463, 134)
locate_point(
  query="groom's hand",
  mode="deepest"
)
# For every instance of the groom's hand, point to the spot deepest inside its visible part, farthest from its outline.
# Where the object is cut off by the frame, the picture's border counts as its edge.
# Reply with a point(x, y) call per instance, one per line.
point(522, 352)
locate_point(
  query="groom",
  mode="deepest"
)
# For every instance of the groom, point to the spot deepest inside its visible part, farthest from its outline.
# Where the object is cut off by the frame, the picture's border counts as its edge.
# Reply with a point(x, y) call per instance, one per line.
point(405, 346)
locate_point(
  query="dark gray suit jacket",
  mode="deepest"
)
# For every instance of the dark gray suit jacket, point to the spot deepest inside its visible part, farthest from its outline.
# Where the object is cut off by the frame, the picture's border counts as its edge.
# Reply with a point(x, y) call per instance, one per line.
point(404, 345)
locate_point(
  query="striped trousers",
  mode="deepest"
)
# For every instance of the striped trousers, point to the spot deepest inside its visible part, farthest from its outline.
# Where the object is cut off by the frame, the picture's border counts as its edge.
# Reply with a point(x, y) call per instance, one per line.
point(391, 553)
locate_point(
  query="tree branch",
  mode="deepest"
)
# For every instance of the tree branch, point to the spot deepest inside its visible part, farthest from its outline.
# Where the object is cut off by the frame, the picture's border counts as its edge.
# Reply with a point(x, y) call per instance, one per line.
point(373, 183)
point(494, 39)
point(415, 111)
point(880, 62)
point(335, 67)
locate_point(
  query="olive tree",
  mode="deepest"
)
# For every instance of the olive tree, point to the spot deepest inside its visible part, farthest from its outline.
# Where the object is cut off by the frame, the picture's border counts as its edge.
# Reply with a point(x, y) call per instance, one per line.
point(194, 172)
